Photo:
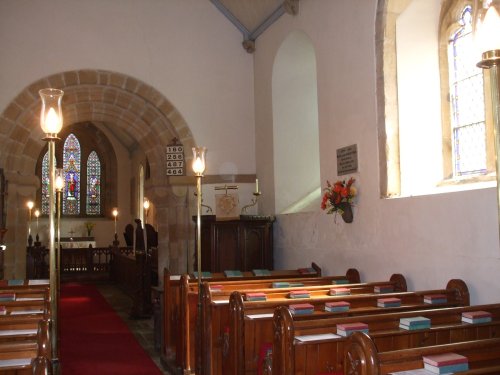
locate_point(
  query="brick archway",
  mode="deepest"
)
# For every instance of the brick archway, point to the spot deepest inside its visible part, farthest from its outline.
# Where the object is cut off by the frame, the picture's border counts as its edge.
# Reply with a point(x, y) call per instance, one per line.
point(130, 105)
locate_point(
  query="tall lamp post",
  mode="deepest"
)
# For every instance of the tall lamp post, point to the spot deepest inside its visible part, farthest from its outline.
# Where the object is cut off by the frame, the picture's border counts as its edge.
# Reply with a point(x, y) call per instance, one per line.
point(30, 205)
point(115, 215)
point(51, 123)
point(486, 27)
point(198, 169)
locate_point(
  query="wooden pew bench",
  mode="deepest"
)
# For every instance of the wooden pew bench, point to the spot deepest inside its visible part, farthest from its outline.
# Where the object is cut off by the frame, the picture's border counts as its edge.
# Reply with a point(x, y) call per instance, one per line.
point(362, 357)
point(19, 356)
point(176, 288)
point(306, 346)
point(180, 306)
point(225, 321)
point(251, 323)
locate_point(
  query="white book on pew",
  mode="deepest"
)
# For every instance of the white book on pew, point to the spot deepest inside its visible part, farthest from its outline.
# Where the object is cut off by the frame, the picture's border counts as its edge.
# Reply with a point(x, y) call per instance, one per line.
point(221, 302)
point(420, 371)
point(25, 312)
point(318, 337)
point(38, 282)
point(176, 277)
point(29, 299)
point(18, 332)
point(259, 316)
point(15, 362)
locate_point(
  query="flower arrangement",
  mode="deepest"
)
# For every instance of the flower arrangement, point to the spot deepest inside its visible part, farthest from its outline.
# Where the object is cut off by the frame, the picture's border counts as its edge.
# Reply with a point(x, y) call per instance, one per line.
point(339, 196)
point(89, 225)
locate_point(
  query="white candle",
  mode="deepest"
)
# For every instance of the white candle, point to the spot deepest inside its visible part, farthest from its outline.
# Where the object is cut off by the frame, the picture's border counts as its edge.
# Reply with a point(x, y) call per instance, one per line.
point(256, 185)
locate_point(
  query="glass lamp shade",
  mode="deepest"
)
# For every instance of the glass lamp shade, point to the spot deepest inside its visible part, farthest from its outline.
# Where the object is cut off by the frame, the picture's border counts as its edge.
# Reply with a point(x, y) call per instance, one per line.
point(146, 204)
point(199, 160)
point(486, 25)
point(59, 183)
point(37, 213)
point(51, 119)
point(115, 212)
point(30, 205)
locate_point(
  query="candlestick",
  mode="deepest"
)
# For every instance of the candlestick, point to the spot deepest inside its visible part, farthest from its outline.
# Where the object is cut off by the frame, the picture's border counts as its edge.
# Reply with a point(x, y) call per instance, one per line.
point(256, 185)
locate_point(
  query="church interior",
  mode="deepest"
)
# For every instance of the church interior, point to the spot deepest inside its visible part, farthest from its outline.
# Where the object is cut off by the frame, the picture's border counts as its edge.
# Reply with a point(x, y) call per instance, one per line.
point(241, 175)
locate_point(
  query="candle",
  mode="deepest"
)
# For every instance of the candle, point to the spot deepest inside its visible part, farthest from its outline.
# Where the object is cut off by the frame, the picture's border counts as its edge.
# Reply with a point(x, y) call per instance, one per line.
point(256, 185)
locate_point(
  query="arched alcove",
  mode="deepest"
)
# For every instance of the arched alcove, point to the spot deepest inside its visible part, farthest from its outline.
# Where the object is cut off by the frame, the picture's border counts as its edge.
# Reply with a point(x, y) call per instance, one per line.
point(295, 122)
point(121, 104)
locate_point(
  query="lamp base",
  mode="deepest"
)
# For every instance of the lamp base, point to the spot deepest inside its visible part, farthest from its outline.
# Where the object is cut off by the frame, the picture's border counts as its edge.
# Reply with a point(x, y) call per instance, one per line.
point(490, 58)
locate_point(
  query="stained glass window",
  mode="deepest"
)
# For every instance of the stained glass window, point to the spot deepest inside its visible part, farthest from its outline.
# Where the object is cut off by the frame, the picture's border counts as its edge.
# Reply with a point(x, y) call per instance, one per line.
point(467, 101)
point(45, 184)
point(93, 206)
point(71, 167)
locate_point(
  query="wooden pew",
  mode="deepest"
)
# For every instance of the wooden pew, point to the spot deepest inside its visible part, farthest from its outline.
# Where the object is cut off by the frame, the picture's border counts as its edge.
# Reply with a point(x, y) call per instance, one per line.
point(222, 295)
point(19, 357)
point(222, 319)
point(291, 354)
point(362, 357)
point(178, 317)
point(251, 323)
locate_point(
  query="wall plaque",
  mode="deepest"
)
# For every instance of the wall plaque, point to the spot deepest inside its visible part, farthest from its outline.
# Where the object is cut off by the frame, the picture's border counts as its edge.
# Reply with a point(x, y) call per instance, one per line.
point(347, 160)
point(175, 159)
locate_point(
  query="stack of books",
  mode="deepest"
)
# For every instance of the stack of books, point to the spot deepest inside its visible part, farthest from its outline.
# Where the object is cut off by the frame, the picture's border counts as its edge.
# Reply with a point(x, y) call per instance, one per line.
point(285, 284)
point(7, 297)
point(435, 299)
point(389, 302)
point(475, 317)
point(337, 306)
point(15, 282)
point(446, 363)
point(299, 294)
point(348, 329)
point(3, 310)
point(339, 292)
point(233, 273)
point(340, 281)
point(261, 272)
point(383, 289)
point(301, 309)
point(307, 271)
point(256, 296)
point(215, 288)
point(413, 323)
point(204, 274)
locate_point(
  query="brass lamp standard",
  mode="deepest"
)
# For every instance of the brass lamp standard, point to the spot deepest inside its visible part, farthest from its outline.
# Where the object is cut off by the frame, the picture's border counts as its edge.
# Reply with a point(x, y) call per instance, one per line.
point(51, 123)
point(486, 28)
point(59, 189)
point(146, 205)
point(198, 169)
point(37, 238)
point(115, 215)
point(30, 205)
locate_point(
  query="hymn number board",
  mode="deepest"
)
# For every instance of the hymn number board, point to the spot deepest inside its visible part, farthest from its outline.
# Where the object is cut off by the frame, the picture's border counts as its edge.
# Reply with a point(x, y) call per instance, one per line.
point(175, 160)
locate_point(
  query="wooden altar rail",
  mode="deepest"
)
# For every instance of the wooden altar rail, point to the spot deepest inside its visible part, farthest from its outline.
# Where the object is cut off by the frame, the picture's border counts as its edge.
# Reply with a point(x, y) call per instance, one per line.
point(83, 263)
point(363, 358)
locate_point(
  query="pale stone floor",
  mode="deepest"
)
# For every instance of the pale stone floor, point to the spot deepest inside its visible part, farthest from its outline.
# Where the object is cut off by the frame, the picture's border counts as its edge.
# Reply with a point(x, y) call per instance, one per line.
point(143, 329)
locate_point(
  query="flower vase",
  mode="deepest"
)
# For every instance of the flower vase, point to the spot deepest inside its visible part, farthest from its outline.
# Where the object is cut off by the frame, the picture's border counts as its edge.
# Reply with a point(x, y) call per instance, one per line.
point(347, 214)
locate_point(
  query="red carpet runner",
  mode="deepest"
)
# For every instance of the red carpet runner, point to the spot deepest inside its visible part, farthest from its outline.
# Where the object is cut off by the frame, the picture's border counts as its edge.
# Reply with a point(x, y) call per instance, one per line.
point(93, 338)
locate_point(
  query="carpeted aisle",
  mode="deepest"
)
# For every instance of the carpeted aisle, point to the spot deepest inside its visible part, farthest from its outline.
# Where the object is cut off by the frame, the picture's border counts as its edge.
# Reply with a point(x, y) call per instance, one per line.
point(93, 338)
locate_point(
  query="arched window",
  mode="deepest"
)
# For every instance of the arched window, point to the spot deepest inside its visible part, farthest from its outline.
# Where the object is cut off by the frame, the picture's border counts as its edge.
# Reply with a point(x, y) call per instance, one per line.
point(93, 184)
point(466, 93)
point(71, 168)
point(438, 129)
point(89, 165)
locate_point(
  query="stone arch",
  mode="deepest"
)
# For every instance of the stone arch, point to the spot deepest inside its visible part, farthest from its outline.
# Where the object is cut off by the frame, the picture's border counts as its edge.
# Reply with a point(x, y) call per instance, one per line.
point(89, 96)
